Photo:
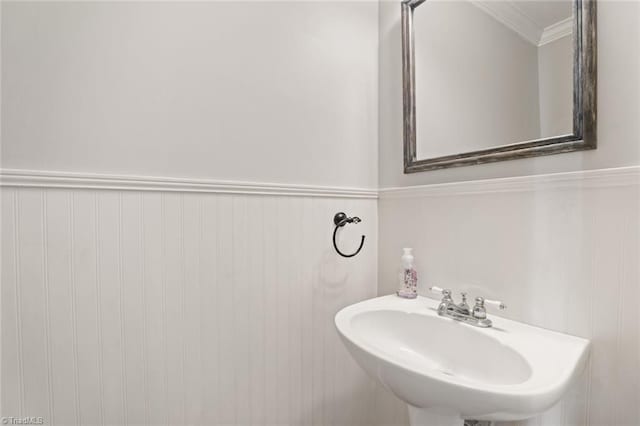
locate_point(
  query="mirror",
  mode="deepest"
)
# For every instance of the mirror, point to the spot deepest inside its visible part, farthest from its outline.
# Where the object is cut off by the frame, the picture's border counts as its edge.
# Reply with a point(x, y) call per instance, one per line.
point(493, 80)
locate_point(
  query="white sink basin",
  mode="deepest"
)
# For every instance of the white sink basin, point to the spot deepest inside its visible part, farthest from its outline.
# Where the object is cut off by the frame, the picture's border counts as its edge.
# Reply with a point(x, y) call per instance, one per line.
point(448, 371)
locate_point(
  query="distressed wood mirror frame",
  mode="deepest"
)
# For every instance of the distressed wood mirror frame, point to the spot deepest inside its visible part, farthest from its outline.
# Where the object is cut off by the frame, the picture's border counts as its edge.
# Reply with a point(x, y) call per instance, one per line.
point(584, 100)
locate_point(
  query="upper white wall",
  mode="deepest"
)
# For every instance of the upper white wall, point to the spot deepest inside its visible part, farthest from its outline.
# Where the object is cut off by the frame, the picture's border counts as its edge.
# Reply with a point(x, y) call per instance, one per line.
point(275, 92)
point(455, 113)
point(555, 73)
point(618, 105)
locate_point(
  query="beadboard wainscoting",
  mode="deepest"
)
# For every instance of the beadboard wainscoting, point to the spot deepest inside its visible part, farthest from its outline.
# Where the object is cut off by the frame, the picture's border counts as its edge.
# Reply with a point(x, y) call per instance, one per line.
point(562, 251)
point(140, 305)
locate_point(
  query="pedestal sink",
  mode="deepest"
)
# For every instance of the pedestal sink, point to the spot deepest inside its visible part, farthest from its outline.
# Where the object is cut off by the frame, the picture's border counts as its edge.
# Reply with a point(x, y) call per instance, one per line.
point(447, 371)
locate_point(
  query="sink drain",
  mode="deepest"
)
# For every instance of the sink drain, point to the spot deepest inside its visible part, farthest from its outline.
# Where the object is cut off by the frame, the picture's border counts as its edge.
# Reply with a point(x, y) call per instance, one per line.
point(477, 423)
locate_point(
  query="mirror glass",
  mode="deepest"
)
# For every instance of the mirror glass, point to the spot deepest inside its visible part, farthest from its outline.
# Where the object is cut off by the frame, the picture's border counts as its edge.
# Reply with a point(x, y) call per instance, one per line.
point(491, 73)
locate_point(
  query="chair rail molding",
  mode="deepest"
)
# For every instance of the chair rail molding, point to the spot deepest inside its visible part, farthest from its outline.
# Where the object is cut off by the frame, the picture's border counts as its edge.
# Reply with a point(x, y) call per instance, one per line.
point(21, 178)
point(72, 180)
point(620, 176)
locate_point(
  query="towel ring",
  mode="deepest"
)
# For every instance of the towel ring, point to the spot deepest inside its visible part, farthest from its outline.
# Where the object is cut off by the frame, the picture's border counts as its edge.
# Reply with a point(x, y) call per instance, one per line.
point(339, 220)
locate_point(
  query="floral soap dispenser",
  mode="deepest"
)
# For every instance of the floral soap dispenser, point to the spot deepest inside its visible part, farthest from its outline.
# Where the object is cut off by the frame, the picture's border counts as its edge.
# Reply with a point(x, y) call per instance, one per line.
point(408, 276)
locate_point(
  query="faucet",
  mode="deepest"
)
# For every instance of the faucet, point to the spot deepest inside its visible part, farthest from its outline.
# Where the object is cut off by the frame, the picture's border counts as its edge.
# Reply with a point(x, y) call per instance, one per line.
point(462, 312)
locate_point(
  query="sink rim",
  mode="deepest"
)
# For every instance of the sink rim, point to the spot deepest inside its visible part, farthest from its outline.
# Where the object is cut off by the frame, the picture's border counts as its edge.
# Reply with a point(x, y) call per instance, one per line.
point(542, 380)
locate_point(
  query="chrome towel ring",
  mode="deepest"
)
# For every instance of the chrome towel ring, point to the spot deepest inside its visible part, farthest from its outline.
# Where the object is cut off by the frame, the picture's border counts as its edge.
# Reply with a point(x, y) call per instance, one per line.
point(339, 220)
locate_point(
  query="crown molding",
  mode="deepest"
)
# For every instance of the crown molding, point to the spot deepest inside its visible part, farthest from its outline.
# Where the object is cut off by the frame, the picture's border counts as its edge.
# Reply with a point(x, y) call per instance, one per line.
point(556, 31)
point(603, 178)
point(512, 17)
point(67, 180)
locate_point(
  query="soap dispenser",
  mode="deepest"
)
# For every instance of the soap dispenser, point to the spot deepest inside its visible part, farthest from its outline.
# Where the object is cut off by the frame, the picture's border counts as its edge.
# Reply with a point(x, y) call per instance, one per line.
point(408, 276)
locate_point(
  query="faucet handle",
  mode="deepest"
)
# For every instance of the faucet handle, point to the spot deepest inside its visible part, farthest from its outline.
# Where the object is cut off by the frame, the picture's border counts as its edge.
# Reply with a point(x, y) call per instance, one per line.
point(445, 292)
point(495, 304)
point(479, 310)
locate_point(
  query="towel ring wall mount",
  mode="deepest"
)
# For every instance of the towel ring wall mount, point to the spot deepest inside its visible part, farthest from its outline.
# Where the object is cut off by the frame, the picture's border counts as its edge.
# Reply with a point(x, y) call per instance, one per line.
point(339, 220)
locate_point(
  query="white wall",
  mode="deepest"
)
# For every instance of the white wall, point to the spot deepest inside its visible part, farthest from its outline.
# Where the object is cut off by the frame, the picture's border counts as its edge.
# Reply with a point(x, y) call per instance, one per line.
point(129, 307)
point(455, 113)
point(555, 74)
point(153, 301)
point(618, 105)
point(249, 91)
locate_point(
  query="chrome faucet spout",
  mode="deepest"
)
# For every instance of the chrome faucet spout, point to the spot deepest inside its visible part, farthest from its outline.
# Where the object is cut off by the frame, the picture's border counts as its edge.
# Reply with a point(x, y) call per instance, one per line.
point(458, 309)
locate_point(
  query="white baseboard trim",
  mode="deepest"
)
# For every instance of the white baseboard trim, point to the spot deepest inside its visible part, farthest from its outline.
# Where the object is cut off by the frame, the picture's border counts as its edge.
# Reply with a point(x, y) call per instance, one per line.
point(621, 176)
point(20, 178)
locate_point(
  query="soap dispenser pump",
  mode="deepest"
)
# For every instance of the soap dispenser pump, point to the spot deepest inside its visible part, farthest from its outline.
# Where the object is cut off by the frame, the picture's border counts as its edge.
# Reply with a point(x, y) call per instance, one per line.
point(408, 276)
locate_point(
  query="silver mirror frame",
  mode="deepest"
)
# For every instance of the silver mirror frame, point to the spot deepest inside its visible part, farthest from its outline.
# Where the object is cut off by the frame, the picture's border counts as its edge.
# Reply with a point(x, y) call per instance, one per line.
point(584, 100)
